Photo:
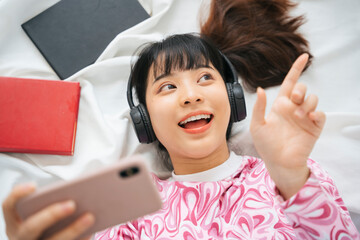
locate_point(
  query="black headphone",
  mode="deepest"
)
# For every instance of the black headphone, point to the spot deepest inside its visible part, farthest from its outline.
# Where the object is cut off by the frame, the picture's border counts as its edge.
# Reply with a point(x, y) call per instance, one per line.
point(141, 119)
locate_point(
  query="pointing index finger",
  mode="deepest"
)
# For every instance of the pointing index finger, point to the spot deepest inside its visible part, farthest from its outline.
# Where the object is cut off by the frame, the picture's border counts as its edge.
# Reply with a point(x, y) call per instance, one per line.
point(293, 75)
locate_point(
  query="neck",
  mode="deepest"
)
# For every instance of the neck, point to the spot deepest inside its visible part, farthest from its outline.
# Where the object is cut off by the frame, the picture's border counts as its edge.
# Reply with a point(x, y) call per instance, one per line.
point(189, 165)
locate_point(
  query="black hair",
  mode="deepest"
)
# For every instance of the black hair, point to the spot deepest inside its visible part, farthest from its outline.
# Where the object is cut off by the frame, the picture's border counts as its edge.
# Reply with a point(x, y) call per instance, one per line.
point(176, 52)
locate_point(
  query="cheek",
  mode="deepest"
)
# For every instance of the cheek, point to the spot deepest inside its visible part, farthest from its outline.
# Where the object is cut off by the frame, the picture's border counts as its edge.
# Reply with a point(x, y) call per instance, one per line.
point(160, 116)
point(222, 104)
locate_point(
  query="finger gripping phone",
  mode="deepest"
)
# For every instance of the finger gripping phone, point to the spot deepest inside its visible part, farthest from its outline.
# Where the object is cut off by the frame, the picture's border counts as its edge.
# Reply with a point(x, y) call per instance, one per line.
point(115, 194)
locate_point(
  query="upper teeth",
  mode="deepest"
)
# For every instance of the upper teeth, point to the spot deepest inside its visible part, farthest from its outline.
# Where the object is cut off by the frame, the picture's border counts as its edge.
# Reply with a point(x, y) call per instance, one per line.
point(194, 118)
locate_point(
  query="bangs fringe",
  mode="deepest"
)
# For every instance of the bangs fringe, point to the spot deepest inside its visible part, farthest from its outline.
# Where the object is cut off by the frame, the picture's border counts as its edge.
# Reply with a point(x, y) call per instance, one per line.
point(179, 54)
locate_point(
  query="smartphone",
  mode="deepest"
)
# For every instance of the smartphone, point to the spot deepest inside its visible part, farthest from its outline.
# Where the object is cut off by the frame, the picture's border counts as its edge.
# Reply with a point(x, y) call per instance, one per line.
point(115, 194)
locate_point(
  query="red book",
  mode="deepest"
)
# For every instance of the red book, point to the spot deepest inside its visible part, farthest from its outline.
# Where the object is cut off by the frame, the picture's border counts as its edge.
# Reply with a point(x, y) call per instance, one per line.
point(38, 116)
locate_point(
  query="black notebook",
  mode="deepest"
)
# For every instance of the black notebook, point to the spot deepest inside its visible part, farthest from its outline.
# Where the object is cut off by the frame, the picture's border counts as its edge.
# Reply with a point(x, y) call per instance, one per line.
point(73, 33)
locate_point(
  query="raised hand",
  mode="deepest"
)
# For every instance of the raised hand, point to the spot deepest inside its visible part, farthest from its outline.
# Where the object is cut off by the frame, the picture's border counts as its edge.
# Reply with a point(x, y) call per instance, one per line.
point(286, 137)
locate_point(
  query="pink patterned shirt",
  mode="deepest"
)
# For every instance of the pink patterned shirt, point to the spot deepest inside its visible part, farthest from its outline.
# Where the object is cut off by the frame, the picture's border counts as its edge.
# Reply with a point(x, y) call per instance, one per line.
point(245, 205)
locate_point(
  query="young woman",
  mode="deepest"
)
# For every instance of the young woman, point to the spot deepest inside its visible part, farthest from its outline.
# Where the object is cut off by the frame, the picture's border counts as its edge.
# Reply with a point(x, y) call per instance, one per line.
point(181, 83)
point(214, 194)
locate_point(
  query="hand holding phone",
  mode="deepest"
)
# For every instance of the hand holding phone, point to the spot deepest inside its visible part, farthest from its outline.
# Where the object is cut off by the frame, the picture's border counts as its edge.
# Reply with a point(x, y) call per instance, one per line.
point(33, 227)
point(114, 195)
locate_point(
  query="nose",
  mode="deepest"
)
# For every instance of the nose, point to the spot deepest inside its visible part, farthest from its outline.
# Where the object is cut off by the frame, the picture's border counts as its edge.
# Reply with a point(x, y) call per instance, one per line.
point(190, 95)
point(192, 100)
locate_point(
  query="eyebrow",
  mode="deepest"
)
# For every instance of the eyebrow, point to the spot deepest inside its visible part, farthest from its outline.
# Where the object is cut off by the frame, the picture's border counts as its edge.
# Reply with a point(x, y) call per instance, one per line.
point(169, 74)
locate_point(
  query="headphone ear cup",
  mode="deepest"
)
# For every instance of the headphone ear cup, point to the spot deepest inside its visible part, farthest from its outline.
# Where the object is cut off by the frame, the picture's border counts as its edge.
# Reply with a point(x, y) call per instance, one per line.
point(142, 124)
point(230, 93)
point(237, 101)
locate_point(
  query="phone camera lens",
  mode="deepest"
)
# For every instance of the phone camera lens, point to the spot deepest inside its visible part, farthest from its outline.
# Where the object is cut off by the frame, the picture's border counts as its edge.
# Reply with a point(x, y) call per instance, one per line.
point(131, 171)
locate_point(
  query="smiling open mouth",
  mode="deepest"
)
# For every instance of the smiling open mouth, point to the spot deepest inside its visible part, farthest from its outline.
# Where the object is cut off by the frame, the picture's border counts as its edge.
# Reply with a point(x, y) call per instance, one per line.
point(197, 121)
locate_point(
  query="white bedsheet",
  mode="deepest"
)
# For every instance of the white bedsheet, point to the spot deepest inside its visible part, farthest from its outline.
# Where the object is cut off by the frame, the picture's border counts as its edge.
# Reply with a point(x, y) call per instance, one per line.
point(104, 133)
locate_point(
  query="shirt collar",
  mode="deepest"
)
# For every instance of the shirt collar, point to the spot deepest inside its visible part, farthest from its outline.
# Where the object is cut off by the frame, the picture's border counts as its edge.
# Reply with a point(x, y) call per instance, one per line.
point(217, 173)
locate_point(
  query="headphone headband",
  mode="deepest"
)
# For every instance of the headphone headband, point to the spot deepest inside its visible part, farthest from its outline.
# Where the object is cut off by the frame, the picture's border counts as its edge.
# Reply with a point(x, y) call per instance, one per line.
point(129, 92)
point(229, 69)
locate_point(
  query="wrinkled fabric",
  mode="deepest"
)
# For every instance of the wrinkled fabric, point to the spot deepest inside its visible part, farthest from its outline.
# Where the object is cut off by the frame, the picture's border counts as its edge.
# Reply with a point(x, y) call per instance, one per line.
point(245, 205)
point(105, 134)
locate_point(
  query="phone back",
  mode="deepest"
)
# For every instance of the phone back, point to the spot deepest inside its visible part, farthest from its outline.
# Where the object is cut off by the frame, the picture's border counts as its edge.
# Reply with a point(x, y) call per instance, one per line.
point(116, 194)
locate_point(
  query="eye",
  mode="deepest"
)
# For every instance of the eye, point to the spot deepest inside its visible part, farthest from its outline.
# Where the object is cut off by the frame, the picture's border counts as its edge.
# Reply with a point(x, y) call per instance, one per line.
point(166, 87)
point(205, 78)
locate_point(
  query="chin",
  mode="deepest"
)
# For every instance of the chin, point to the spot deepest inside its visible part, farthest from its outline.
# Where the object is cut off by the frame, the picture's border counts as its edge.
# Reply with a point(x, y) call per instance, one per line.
point(199, 149)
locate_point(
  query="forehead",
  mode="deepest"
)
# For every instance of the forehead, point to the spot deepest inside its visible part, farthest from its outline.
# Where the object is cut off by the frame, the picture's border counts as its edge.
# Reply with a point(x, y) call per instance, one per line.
point(166, 63)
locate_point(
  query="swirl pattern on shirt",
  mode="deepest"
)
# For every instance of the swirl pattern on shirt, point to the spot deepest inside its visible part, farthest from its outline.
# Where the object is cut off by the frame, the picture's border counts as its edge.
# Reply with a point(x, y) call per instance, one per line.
point(246, 205)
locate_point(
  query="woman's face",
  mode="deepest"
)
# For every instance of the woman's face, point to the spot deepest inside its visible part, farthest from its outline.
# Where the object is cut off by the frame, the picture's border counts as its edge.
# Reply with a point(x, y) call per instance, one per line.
point(189, 111)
